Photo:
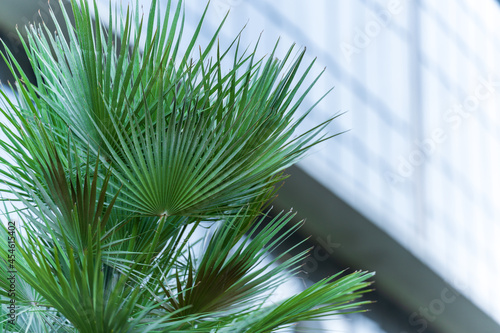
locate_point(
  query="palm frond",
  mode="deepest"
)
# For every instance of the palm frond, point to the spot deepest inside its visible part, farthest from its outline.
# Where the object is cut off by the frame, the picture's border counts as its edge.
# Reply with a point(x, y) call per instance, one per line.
point(120, 154)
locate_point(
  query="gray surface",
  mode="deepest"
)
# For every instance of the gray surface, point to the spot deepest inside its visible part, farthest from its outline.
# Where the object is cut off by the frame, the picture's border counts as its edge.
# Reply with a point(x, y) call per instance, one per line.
point(400, 276)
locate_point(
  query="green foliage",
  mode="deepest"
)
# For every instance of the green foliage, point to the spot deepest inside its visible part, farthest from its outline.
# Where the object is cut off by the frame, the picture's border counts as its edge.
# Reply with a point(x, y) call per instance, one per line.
point(123, 149)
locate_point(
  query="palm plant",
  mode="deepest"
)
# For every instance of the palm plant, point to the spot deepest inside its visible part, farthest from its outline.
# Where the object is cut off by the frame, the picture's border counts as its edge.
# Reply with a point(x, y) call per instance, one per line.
point(123, 151)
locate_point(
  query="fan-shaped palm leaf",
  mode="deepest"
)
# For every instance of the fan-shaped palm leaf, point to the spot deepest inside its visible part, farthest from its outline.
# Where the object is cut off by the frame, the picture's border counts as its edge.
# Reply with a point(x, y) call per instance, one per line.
point(120, 153)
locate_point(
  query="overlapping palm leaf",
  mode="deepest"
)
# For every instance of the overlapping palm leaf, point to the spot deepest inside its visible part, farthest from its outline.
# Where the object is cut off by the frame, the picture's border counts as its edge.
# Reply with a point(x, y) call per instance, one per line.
point(124, 147)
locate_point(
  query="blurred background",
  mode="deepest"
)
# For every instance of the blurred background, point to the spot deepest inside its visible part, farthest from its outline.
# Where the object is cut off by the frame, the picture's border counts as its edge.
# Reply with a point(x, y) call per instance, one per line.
point(410, 190)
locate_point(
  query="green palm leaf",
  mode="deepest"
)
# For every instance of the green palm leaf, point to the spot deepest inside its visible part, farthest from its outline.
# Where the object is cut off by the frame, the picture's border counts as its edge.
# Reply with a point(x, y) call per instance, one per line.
point(125, 150)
